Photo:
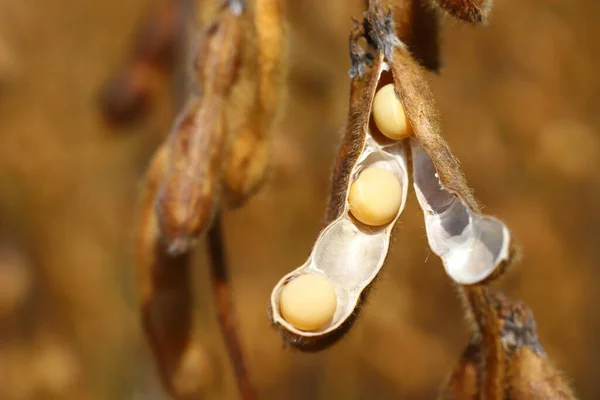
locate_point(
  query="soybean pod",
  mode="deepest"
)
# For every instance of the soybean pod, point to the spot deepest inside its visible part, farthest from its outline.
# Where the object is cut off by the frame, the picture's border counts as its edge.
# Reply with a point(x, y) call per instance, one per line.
point(369, 189)
point(391, 119)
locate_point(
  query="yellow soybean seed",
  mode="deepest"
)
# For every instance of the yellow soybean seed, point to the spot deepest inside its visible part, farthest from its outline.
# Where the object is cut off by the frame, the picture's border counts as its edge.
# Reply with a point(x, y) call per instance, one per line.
point(308, 302)
point(389, 114)
point(375, 196)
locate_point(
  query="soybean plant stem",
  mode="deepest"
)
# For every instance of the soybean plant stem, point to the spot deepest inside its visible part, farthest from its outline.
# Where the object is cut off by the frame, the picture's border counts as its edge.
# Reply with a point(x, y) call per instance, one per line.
point(225, 308)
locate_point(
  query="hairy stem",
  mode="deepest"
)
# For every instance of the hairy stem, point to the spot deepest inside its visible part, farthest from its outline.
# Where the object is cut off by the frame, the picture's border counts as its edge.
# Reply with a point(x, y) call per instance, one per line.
point(492, 365)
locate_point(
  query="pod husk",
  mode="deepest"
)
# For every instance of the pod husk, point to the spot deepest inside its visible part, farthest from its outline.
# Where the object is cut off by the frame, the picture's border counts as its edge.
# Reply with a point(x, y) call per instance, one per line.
point(360, 149)
point(419, 105)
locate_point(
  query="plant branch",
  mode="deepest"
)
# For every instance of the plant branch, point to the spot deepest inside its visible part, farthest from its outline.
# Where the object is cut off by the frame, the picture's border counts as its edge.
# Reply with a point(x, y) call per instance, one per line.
point(226, 313)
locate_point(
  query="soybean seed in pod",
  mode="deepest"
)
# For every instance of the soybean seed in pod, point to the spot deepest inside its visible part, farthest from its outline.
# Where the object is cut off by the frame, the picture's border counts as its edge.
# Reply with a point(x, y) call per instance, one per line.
point(375, 196)
point(389, 114)
point(308, 302)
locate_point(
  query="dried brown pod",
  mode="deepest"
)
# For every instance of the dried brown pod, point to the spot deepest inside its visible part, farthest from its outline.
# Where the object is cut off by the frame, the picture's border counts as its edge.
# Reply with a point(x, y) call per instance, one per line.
point(474, 11)
point(255, 104)
point(530, 374)
point(184, 188)
point(165, 293)
point(129, 91)
point(189, 192)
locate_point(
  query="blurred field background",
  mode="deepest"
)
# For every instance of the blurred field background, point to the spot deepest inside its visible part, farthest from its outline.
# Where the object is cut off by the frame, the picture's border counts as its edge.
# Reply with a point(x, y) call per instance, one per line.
point(519, 101)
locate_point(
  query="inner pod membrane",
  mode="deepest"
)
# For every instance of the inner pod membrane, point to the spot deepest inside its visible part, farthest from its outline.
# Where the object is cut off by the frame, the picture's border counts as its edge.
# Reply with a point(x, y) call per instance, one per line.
point(470, 245)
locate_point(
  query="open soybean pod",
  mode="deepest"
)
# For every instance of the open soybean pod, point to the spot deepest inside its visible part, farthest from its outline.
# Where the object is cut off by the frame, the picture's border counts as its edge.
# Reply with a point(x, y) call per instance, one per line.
point(473, 247)
point(188, 194)
point(315, 304)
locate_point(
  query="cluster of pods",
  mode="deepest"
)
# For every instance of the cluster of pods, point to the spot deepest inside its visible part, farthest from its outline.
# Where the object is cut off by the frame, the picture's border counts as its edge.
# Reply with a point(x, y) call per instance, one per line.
point(393, 140)
point(392, 128)
point(217, 155)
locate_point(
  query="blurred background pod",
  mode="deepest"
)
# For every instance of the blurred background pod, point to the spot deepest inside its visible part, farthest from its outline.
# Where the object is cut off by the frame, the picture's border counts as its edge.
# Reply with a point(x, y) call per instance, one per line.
point(257, 101)
point(189, 193)
point(166, 299)
point(158, 45)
